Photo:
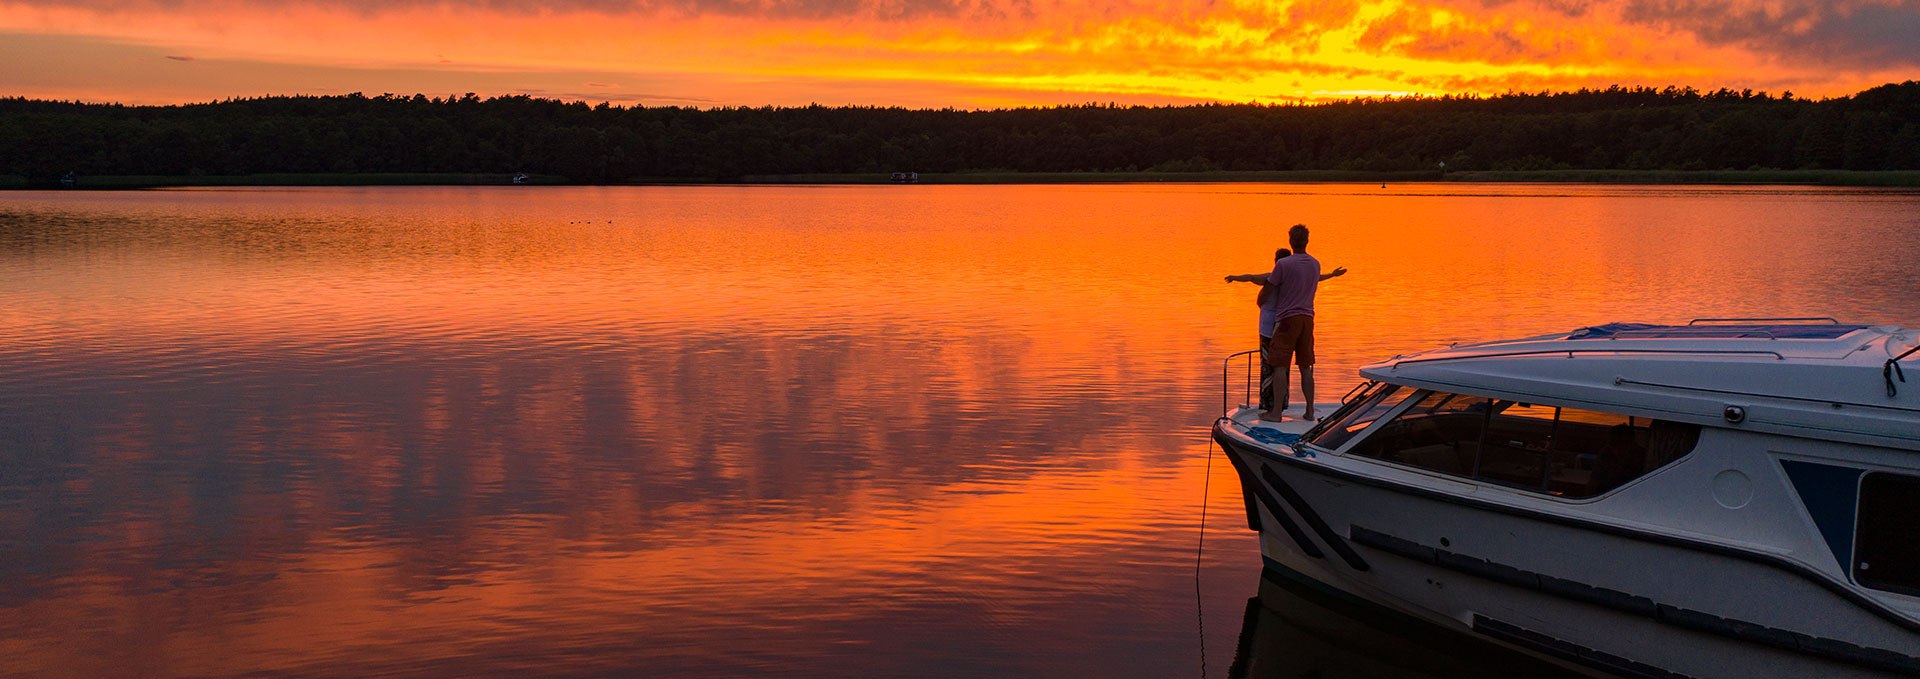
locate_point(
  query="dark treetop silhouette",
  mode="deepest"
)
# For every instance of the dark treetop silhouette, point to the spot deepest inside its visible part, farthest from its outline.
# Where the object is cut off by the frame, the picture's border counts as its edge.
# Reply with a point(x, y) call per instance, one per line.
point(1616, 128)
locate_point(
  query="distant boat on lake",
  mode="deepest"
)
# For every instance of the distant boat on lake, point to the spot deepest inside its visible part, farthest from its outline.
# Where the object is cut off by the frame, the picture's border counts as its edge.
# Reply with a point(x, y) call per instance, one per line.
point(1720, 499)
point(905, 177)
point(521, 178)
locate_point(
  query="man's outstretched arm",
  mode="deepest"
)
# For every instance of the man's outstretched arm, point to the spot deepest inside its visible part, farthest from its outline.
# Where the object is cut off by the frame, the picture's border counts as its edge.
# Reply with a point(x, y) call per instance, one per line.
point(1342, 271)
point(1248, 278)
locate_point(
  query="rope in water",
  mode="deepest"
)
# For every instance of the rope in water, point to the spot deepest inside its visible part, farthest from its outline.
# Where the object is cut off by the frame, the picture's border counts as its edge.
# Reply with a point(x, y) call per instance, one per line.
point(1199, 608)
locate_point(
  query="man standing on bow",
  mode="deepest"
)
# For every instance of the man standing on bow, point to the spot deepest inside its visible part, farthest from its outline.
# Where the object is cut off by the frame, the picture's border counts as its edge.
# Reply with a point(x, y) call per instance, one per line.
point(1294, 282)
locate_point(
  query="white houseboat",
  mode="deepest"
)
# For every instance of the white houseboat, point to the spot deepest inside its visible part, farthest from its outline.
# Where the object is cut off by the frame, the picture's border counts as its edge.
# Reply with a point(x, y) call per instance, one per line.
point(1721, 499)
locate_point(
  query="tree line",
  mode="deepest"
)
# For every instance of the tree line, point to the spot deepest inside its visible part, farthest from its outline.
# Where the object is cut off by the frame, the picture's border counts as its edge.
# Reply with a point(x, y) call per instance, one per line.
point(1616, 128)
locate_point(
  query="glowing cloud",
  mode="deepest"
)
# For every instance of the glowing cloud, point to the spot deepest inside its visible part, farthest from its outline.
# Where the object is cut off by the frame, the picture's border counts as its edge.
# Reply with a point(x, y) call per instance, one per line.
point(964, 53)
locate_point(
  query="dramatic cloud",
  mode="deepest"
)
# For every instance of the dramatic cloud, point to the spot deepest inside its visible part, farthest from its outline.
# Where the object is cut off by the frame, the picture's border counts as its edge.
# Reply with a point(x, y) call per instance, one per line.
point(1847, 32)
point(1872, 33)
point(888, 10)
point(1431, 35)
point(957, 52)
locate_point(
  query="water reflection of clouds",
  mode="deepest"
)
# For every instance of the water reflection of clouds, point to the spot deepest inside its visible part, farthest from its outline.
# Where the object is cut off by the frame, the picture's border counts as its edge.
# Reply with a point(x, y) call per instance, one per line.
point(864, 427)
point(648, 446)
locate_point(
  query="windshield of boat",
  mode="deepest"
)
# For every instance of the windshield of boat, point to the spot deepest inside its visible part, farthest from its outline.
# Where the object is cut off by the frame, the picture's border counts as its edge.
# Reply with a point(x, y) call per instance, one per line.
point(1348, 403)
point(1543, 448)
point(1349, 421)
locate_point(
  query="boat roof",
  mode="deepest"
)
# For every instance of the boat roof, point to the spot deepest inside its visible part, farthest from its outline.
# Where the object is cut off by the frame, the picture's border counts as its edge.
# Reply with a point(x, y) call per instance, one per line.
point(1715, 331)
point(1799, 377)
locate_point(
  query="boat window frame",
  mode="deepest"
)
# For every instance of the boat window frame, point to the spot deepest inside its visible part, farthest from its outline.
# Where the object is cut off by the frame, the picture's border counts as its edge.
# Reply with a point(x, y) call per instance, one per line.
point(1420, 394)
point(1473, 478)
point(1554, 441)
point(1859, 520)
point(1367, 391)
point(1413, 396)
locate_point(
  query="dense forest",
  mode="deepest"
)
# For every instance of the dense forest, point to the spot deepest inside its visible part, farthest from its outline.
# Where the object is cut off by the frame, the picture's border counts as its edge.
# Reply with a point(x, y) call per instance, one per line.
point(1617, 128)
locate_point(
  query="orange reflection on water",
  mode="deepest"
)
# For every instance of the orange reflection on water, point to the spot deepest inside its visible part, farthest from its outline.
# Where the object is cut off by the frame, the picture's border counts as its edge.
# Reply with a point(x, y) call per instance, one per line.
point(509, 586)
point(744, 430)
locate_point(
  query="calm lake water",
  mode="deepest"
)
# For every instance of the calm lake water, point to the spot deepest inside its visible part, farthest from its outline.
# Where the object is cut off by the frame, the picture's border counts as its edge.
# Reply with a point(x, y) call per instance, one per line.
point(737, 431)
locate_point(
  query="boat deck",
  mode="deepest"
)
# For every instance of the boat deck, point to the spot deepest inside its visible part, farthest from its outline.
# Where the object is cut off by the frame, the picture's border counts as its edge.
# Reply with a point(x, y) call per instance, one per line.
point(1289, 422)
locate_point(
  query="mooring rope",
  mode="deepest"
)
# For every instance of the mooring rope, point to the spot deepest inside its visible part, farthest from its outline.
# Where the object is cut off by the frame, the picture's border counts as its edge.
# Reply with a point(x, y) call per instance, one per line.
point(1199, 608)
point(1892, 369)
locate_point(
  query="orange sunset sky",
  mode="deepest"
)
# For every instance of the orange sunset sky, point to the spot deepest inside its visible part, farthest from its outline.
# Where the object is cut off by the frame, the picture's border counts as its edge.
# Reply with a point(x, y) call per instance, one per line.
point(938, 53)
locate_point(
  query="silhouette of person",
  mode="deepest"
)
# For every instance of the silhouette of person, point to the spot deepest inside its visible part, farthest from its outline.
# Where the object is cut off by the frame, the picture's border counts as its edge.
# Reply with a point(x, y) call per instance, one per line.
point(1296, 280)
point(1266, 301)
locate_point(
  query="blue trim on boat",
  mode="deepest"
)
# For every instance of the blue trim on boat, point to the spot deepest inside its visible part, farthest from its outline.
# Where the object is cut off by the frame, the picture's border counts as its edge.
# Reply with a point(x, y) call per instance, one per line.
point(1714, 331)
point(1273, 436)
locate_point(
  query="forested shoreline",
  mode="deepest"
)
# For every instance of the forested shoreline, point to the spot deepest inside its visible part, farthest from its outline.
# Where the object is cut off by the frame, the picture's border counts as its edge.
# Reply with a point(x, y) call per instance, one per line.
point(1613, 129)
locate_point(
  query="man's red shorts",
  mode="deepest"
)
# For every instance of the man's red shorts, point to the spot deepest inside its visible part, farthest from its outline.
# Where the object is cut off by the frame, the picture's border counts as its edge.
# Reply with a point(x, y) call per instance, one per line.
point(1292, 338)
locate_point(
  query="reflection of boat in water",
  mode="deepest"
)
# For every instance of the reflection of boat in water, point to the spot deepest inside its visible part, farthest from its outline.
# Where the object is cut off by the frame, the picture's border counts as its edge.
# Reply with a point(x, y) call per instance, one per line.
point(1301, 629)
point(1700, 500)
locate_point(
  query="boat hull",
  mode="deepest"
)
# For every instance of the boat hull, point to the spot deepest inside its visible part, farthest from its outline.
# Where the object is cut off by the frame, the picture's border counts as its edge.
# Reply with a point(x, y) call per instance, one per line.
point(1596, 598)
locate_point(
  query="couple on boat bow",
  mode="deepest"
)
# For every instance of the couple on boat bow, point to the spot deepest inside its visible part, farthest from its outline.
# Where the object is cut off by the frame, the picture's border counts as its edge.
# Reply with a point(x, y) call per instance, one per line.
point(1286, 321)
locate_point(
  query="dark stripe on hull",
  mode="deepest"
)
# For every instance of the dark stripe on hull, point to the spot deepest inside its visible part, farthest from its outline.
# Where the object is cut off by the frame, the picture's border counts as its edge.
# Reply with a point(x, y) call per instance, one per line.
point(1314, 521)
point(1249, 483)
point(1829, 649)
point(1837, 588)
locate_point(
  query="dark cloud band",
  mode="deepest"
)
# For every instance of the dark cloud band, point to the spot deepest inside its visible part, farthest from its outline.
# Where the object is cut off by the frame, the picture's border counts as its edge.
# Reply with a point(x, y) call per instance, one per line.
point(887, 10)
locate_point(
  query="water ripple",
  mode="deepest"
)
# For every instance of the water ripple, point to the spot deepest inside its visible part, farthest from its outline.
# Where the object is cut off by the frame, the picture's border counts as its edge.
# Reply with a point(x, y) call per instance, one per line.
point(705, 431)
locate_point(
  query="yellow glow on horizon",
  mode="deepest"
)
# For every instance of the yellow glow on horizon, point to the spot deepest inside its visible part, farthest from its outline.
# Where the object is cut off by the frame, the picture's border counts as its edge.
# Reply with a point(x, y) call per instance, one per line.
point(1236, 51)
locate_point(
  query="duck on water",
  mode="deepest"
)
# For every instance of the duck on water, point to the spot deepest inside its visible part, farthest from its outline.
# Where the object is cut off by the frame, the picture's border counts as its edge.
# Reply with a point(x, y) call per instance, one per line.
point(1720, 499)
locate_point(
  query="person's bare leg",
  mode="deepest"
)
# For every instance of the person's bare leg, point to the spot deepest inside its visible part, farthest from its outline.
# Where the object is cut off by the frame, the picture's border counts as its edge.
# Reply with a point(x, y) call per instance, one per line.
point(1306, 389)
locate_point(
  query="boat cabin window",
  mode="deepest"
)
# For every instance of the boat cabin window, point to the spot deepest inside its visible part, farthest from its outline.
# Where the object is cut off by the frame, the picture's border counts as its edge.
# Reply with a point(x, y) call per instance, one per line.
point(1516, 449)
point(1887, 557)
point(1353, 419)
point(1441, 432)
point(1542, 448)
